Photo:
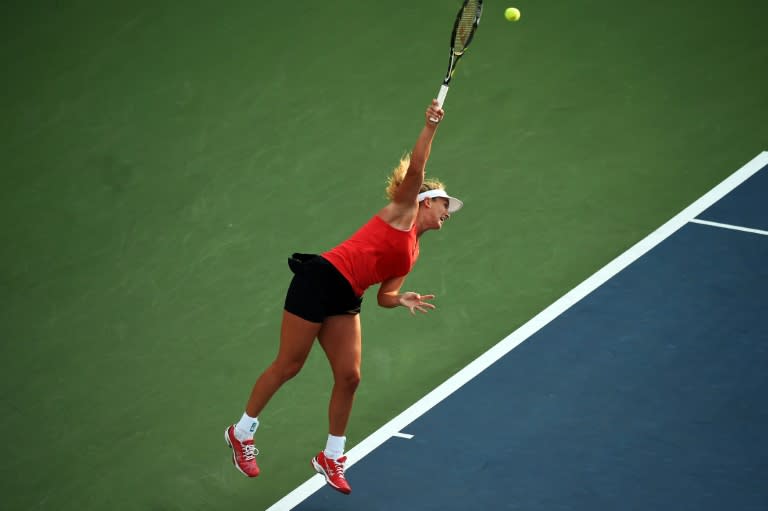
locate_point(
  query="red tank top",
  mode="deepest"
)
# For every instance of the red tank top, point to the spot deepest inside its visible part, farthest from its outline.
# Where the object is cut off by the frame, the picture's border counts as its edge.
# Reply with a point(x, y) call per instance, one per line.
point(375, 253)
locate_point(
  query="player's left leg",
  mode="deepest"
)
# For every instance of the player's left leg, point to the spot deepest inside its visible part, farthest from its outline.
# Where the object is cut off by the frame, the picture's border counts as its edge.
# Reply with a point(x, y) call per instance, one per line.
point(341, 339)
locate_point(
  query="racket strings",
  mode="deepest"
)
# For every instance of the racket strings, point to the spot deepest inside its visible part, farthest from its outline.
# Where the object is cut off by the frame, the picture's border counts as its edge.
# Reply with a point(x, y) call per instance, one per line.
point(466, 25)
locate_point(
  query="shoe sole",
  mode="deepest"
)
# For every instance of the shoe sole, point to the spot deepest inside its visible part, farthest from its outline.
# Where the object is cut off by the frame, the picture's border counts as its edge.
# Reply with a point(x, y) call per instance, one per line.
point(234, 455)
point(319, 469)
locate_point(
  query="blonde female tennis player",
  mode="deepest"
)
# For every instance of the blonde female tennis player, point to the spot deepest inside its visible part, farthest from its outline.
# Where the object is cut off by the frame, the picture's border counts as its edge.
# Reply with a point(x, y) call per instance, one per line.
point(324, 298)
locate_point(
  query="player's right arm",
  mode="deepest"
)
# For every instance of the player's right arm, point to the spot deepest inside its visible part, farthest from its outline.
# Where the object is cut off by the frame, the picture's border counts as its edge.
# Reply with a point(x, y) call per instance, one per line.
point(414, 177)
point(401, 211)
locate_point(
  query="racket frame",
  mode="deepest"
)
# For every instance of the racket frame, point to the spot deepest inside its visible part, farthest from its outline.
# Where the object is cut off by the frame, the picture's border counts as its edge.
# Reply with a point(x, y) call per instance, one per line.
point(454, 56)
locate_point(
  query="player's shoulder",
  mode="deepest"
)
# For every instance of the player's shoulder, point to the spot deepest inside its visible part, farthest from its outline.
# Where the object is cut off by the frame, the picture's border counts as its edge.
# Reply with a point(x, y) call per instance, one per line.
point(399, 215)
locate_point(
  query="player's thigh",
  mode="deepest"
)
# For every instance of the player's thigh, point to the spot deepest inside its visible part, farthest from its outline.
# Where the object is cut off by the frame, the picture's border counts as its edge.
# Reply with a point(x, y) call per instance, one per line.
point(341, 339)
point(296, 338)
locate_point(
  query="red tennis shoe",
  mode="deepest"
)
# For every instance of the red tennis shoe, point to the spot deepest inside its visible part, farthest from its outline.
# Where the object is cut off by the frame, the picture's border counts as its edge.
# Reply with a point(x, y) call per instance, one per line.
point(243, 453)
point(333, 472)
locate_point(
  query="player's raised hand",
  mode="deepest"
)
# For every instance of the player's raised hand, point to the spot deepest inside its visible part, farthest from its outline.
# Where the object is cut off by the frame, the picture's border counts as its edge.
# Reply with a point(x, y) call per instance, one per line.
point(434, 113)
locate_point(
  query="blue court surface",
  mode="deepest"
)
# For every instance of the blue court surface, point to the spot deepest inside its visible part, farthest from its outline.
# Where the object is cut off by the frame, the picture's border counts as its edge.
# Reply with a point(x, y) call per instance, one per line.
point(646, 387)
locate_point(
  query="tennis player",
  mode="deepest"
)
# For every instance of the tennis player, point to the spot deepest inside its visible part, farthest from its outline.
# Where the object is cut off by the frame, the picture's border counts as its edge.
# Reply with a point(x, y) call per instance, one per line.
point(325, 296)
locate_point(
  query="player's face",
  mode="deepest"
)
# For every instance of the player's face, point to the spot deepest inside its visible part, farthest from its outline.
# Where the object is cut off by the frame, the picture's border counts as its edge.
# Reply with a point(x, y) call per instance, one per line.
point(440, 211)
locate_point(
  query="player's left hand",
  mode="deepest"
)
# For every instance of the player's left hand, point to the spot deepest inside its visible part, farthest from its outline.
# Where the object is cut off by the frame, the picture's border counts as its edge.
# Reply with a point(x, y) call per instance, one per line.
point(415, 302)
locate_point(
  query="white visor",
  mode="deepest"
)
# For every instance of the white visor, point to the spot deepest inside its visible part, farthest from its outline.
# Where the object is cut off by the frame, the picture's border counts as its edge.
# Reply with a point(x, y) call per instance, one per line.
point(454, 204)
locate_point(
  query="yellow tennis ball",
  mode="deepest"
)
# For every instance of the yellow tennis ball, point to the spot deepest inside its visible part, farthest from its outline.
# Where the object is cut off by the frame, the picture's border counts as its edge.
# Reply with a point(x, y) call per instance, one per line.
point(512, 14)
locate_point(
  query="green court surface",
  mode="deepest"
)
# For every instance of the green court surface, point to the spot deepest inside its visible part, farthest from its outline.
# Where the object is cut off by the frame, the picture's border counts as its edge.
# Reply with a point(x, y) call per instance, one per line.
point(160, 161)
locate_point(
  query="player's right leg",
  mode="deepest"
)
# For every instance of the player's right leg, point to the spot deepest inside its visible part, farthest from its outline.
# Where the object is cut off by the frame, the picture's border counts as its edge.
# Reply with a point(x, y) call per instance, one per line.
point(296, 338)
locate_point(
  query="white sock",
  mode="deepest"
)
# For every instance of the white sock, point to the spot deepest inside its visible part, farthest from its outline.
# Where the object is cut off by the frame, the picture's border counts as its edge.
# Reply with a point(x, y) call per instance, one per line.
point(334, 448)
point(245, 429)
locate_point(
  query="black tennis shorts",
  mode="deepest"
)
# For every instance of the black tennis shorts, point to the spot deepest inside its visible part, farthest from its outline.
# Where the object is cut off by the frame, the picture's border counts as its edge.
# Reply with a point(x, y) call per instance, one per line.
point(318, 290)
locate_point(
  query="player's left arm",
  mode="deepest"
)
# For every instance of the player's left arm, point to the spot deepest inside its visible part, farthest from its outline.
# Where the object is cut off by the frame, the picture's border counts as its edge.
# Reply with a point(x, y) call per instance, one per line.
point(389, 296)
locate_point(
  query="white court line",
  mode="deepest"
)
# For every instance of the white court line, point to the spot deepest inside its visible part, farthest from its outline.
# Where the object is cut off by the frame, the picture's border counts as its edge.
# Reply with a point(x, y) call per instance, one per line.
point(403, 435)
point(394, 426)
point(729, 226)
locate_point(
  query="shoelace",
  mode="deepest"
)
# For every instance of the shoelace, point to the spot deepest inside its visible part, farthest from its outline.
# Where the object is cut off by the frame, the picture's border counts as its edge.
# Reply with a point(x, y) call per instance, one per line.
point(337, 468)
point(249, 452)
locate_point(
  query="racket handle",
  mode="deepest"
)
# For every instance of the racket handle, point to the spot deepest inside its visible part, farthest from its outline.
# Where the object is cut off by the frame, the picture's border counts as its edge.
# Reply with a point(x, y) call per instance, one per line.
point(440, 98)
point(441, 95)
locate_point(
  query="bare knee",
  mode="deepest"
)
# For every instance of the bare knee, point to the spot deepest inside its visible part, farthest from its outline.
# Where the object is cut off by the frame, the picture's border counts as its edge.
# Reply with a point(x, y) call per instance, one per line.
point(349, 379)
point(284, 371)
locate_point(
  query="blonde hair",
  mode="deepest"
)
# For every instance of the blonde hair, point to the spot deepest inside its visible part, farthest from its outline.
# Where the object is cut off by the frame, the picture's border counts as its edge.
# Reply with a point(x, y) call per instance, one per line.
point(398, 174)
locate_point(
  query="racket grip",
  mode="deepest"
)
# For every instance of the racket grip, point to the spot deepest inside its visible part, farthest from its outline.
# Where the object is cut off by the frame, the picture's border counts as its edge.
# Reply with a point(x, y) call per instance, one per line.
point(440, 98)
point(441, 95)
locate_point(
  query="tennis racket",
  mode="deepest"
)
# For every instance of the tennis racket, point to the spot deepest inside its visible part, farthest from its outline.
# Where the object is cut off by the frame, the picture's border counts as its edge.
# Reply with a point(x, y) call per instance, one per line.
point(464, 29)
